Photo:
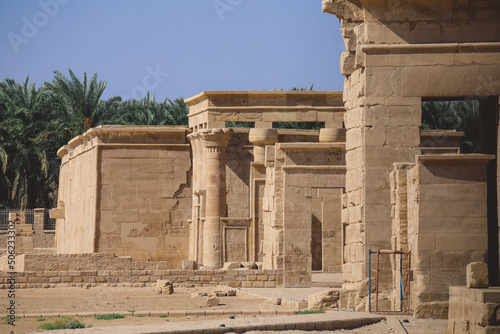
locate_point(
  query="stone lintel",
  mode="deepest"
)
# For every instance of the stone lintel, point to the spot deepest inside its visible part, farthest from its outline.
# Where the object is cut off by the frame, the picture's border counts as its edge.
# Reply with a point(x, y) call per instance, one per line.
point(310, 167)
point(441, 133)
point(480, 158)
point(311, 146)
point(431, 48)
point(120, 134)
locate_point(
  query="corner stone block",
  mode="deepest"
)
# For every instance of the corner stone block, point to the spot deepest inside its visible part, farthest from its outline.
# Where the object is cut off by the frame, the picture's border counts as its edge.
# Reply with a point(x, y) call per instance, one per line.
point(477, 275)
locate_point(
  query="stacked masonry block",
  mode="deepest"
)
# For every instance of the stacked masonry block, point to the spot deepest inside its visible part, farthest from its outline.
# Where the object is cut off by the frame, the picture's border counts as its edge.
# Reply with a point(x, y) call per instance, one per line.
point(447, 226)
point(390, 67)
point(234, 278)
point(474, 311)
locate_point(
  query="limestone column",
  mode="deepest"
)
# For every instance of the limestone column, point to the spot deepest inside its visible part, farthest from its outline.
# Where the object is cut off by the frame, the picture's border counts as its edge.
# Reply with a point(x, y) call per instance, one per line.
point(260, 138)
point(194, 138)
point(214, 163)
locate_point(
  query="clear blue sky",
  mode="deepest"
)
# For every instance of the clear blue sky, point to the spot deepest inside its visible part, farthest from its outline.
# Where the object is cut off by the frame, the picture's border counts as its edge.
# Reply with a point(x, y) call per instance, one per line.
point(173, 48)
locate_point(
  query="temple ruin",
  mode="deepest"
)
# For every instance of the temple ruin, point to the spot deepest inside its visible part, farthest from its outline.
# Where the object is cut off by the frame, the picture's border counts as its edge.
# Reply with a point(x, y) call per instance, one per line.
point(370, 188)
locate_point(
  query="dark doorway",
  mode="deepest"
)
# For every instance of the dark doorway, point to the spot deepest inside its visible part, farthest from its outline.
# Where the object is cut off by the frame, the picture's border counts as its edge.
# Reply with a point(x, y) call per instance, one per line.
point(317, 243)
point(488, 138)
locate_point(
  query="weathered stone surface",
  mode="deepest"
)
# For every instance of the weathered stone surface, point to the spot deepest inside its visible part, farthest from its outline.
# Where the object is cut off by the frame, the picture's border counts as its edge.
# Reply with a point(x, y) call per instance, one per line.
point(164, 287)
point(364, 287)
point(327, 299)
point(436, 310)
point(477, 275)
point(231, 265)
point(213, 301)
point(219, 293)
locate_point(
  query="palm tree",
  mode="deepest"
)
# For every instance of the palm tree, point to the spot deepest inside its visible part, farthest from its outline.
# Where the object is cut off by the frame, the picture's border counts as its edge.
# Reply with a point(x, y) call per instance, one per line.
point(454, 115)
point(148, 111)
point(80, 100)
point(25, 164)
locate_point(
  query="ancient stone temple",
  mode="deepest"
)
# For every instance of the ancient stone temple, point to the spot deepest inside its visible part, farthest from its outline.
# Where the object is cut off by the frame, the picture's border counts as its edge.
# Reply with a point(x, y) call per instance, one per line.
point(371, 194)
point(408, 189)
point(267, 195)
point(207, 195)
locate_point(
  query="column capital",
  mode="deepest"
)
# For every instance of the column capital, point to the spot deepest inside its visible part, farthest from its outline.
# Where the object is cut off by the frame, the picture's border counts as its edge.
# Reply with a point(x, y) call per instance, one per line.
point(215, 137)
point(263, 136)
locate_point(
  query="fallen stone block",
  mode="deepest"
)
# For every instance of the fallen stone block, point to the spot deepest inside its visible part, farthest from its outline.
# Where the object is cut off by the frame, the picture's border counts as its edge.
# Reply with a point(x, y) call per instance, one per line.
point(219, 293)
point(198, 294)
point(327, 299)
point(213, 301)
point(164, 287)
point(231, 265)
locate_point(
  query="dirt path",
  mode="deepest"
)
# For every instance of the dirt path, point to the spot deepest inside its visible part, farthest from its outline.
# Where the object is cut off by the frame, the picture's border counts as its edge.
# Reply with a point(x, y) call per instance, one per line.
point(117, 299)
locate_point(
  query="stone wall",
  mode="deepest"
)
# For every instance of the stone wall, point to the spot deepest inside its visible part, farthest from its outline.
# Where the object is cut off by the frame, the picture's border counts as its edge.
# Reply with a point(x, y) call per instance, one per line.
point(474, 311)
point(229, 174)
point(126, 190)
point(302, 209)
point(249, 278)
point(397, 55)
point(447, 226)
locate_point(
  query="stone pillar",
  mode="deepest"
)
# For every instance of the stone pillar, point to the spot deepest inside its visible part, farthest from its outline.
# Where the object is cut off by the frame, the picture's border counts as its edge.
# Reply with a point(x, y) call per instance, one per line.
point(214, 162)
point(38, 227)
point(197, 156)
point(260, 138)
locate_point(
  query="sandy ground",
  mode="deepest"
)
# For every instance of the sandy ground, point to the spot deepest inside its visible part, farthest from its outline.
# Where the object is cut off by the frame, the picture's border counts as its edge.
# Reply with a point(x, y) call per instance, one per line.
point(108, 300)
point(114, 299)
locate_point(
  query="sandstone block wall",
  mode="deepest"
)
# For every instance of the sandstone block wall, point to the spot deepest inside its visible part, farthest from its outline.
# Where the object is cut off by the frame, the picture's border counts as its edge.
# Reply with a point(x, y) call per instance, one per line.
point(243, 230)
point(473, 310)
point(447, 226)
point(302, 209)
point(126, 190)
point(49, 279)
point(397, 55)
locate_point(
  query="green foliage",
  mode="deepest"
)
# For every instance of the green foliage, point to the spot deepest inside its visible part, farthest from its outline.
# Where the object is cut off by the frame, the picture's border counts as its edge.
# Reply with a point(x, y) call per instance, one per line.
point(299, 125)
point(140, 316)
point(109, 316)
point(454, 115)
point(147, 111)
point(310, 311)
point(240, 124)
point(35, 123)
point(41, 319)
point(163, 316)
point(80, 101)
point(300, 88)
point(62, 323)
point(25, 180)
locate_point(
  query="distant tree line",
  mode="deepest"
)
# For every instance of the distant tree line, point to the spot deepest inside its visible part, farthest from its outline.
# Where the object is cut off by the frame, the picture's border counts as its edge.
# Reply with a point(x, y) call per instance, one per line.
point(454, 115)
point(36, 122)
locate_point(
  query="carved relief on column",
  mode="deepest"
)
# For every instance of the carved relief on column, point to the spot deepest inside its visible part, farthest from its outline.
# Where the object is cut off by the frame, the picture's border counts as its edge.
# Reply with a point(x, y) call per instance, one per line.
point(215, 143)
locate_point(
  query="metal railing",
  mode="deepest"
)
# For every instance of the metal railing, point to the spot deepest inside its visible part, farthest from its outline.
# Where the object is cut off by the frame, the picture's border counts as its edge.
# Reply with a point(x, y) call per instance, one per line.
point(48, 223)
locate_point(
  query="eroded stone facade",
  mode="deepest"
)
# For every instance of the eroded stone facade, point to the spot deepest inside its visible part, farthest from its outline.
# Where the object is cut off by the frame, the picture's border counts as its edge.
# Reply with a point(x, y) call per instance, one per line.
point(294, 201)
point(127, 191)
point(399, 54)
